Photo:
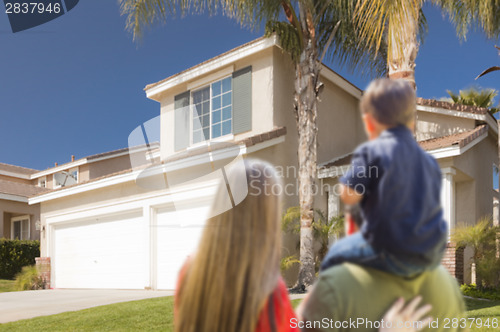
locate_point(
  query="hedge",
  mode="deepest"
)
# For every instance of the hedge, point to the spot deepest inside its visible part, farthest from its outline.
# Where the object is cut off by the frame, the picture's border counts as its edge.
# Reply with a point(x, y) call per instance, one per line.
point(14, 254)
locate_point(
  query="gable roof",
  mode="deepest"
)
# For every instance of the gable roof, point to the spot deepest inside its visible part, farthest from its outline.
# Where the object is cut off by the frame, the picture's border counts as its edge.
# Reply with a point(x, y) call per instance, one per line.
point(247, 142)
point(17, 169)
point(152, 85)
point(20, 189)
point(95, 158)
point(114, 153)
point(451, 106)
point(338, 161)
point(228, 58)
point(459, 139)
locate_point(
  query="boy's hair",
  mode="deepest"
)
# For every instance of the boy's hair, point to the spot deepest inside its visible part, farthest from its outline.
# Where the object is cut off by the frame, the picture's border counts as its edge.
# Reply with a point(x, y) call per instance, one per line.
point(390, 102)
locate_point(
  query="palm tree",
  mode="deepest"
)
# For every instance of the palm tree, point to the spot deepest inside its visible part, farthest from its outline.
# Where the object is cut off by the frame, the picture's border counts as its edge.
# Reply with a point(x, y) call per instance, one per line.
point(475, 97)
point(481, 237)
point(308, 28)
point(401, 24)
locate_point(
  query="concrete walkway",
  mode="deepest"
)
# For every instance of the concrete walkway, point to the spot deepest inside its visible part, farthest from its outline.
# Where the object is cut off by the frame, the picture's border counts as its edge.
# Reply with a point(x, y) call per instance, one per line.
point(22, 305)
point(296, 296)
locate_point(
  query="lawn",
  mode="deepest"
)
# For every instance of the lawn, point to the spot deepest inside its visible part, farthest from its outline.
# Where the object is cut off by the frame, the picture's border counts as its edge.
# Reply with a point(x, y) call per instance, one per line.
point(157, 315)
point(6, 286)
point(145, 315)
point(484, 310)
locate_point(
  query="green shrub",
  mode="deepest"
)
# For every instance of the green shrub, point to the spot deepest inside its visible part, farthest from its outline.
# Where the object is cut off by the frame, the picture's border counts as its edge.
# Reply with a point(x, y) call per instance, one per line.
point(29, 279)
point(14, 254)
point(473, 291)
point(488, 268)
point(482, 238)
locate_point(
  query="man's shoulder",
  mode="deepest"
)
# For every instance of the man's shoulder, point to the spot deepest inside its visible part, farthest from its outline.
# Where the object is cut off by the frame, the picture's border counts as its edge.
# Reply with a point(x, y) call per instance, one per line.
point(359, 276)
point(350, 292)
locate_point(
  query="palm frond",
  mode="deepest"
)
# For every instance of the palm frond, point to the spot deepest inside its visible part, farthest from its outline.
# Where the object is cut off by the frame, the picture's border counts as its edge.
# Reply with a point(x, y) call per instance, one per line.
point(478, 235)
point(347, 47)
point(288, 262)
point(288, 37)
point(393, 20)
point(290, 222)
point(457, 13)
point(144, 14)
point(479, 14)
point(487, 71)
point(474, 96)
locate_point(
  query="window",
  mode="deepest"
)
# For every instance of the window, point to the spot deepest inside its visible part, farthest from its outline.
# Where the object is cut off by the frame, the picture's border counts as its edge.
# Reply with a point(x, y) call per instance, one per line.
point(20, 228)
point(42, 182)
point(221, 108)
point(66, 178)
point(212, 111)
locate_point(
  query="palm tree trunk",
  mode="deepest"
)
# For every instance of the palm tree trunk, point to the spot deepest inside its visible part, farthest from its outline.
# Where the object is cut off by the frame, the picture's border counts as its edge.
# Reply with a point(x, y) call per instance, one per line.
point(306, 102)
point(401, 60)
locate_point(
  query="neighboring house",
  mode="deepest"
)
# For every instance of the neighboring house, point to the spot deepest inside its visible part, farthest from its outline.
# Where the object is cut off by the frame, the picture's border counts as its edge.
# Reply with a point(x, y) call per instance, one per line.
point(20, 220)
point(133, 230)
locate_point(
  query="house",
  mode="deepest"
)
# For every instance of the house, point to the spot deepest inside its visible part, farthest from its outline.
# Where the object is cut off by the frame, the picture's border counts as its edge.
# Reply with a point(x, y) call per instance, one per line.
point(20, 220)
point(135, 228)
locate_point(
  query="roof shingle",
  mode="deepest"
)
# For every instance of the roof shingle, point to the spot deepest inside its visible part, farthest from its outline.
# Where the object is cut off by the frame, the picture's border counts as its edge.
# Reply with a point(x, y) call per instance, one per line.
point(152, 85)
point(249, 141)
point(20, 189)
point(451, 106)
point(460, 139)
point(17, 169)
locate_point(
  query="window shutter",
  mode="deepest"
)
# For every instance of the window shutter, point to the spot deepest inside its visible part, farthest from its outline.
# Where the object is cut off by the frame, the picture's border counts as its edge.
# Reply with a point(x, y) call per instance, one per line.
point(242, 100)
point(181, 115)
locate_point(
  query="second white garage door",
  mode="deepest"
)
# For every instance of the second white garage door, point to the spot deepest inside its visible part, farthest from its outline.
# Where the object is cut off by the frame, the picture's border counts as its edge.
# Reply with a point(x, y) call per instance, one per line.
point(178, 234)
point(102, 252)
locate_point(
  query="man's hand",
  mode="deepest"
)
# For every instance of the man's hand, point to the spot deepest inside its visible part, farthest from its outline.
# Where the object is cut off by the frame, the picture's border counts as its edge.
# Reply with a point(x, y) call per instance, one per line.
point(407, 319)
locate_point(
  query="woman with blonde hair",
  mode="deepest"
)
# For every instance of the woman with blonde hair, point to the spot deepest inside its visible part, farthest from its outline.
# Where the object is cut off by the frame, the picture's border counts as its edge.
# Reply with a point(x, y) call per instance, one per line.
point(234, 276)
point(233, 282)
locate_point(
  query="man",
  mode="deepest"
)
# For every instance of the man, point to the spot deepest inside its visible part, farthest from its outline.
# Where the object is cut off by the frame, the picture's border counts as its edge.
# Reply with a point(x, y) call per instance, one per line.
point(353, 297)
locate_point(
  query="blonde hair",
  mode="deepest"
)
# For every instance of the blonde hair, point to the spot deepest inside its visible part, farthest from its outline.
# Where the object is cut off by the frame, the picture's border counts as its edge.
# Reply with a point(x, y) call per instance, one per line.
point(236, 266)
point(391, 102)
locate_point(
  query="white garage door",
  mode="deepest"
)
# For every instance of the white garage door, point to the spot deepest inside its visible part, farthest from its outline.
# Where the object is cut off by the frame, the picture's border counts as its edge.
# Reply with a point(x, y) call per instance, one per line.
point(107, 252)
point(177, 237)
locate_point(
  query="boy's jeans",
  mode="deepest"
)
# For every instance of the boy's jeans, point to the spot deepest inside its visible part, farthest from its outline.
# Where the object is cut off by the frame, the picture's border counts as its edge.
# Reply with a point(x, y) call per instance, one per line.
point(355, 249)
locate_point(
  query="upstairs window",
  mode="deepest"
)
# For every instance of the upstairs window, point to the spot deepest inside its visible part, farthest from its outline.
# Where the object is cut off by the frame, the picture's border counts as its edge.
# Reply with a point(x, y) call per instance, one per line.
point(221, 108)
point(66, 178)
point(212, 111)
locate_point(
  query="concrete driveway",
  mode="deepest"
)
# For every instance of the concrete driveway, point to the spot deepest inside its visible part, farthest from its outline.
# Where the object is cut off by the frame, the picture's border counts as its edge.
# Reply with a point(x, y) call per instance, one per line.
point(22, 305)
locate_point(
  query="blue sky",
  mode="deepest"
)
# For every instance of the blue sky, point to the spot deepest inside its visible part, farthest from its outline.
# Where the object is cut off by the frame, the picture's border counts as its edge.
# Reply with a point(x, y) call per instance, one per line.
point(74, 86)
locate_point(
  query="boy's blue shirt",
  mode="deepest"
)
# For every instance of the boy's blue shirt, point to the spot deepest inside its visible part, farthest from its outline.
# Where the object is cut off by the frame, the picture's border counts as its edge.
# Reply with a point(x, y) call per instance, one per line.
point(401, 205)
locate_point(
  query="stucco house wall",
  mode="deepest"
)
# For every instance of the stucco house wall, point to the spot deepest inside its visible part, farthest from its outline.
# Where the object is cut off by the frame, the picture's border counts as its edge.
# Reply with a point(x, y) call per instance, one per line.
point(432, 125)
